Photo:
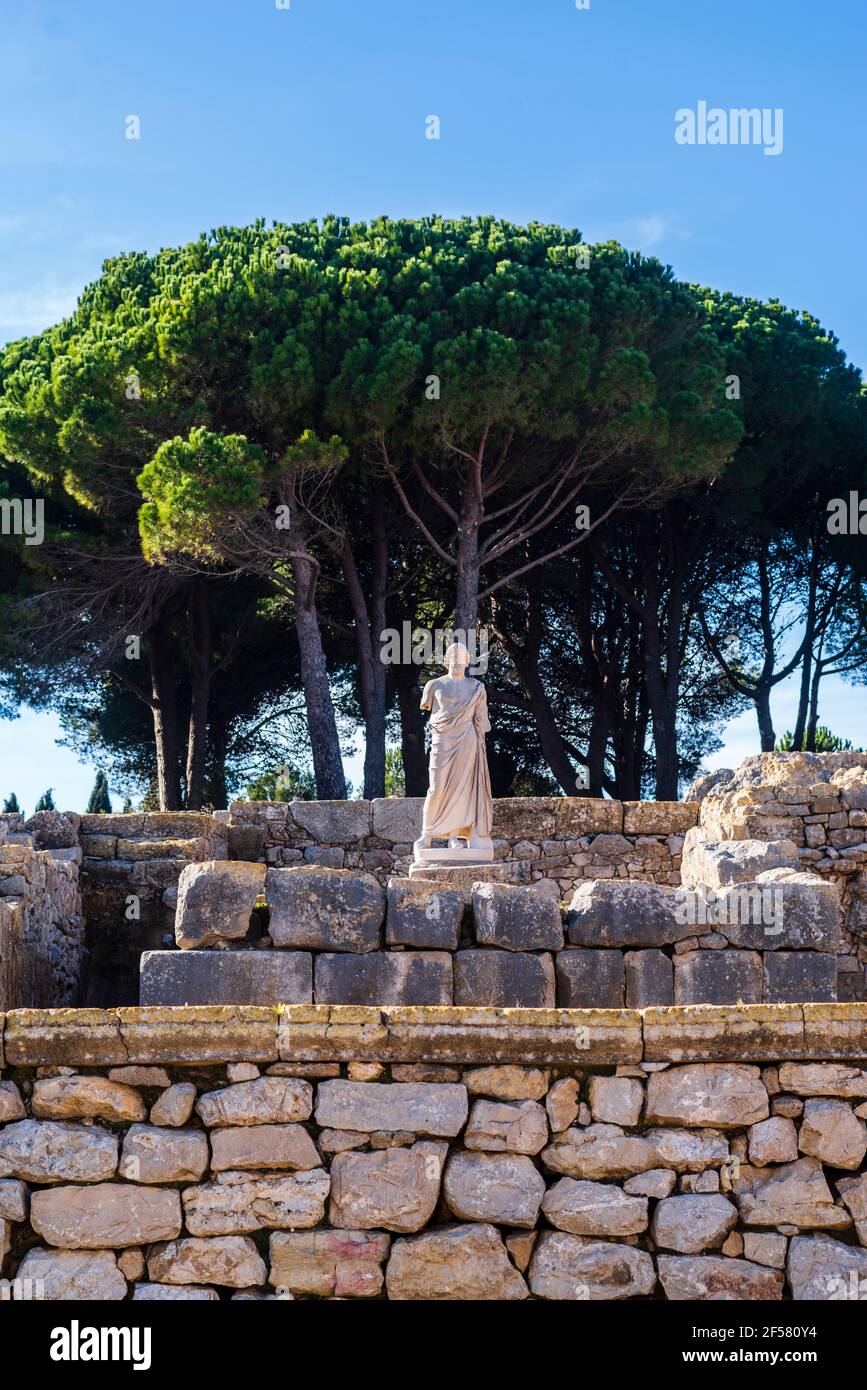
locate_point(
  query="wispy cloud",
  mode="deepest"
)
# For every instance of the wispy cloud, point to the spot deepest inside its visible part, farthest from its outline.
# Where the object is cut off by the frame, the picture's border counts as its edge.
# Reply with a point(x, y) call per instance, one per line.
point(29, 310)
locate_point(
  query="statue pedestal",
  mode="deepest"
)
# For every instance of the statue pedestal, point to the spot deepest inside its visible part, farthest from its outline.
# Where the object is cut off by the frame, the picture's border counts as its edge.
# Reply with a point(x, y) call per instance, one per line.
point(461, 876)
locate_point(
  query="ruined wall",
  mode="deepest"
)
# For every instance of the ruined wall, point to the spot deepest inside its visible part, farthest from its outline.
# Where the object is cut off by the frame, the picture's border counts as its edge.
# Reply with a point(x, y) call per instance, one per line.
point(41, 923)
point(468, 1154)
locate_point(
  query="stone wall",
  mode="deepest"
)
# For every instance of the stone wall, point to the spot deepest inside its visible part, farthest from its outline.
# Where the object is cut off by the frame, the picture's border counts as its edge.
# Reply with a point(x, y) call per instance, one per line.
point(446, 1154)
point(41, 923)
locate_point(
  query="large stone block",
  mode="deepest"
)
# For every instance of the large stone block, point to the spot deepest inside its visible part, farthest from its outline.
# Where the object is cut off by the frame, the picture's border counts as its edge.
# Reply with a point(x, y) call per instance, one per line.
point(453, 1262)
point(419, 1107)
point(725, 1095)
point(322, 909)
point(397, 818)
point(384, 977)
point(232, 1261)
point(619, 912)
point(73, 1275)
point(588, 979)
point(226, 977)
point(105, 1215)
point(794, 977)
point(86, 1098)
point(463, 878)
point(780, 911)
point(504, 1188)
point(713, 1277)
point(578, 816)
point(262, 1146)
point(152, 1154)
point(693, 1223)
point(649, 979)
point(252, 1202)
point(531, 818)
point(265, 1100)
point(825, 1269)
point(659, 817)
point(394, 1189)
point(718, 977)
point(510, 979)
point(580, 1268)
point(833, 1134)
point(332, 822)
point(347, 1264)
point(516, 918)
point(594, 1209)
point(797, 1194)
point(711, 863)
point(45, 1151)
point(423, 914)
point(215, 901)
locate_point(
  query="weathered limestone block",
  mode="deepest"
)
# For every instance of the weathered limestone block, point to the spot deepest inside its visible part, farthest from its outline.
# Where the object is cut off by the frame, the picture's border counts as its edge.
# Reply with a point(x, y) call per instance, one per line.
point(324, 909)
point(577, 816)
point(659, 817)
point(516, 918)
point(718, 977)
point(263, 1146)
point(345, 1264)
point(397, 1189)
point(710, 863)
point(765, 1248)
point(11, 1104)
point(726, 1095)
point(173, 1293)
point(621, 912)
point(794, 1195)
point(656, 1182)
point(693, 1224)
point(267, 1100)
point(151, 1154)
point(420, 1107)
point(514, 1126)
point(246, 843)
point(589, 979)
point(46, 1152)
point(105, 1215)
point(525, 818)
point(773, 1141)
point(226, 977)
point(13, 1200)
point(649, 979)
point(780, 911)
point(241, 1202)
point(174, 1106)
point(615, 1100)
point(599, 1151)
point(577, 1267)
point(397, 818)
point(853, 1194)
point(231, 1261)
point(717, 1277)
point(332, 822)
point(833, 1134)
point(820, 1268)
point(507, 1082)
point(63, 1275)
point(561, 1104)
point(792, 977)
point(509, 979)
point(141, 1076)
point(423, 914)
point(384, 977)
point(86, 1098)
point(453, 1262)
point(594, 1209)
point(503, 1188)
point(215, 901)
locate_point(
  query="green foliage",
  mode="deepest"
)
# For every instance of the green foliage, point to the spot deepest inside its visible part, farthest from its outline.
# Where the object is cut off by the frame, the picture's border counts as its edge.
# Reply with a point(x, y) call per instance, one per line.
point(10, 805)
point(394, 779)
point(46, 801)
point(826, 742)
point(287, 783)
point(99, 802)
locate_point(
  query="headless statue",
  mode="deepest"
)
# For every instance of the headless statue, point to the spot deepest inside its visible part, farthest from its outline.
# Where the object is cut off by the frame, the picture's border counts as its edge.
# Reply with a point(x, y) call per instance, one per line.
point(458, 805)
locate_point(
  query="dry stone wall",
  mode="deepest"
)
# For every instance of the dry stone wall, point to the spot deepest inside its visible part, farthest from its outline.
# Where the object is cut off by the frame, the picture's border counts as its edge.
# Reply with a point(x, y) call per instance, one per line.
point(221, 1154)
point(41, 922)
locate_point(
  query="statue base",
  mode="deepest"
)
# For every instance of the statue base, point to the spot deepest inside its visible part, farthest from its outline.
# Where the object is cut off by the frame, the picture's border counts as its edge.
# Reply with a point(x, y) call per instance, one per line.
point(462, 876)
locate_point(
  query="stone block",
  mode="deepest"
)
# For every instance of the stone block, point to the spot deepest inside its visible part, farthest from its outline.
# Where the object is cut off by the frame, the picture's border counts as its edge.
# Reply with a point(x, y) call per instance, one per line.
point(779, 911)
point(659, 817)
point(570, 1267)
point(262, 1146)
point(453, 1262)
point(510, 979)
point(247, 842)
point(393, 1189)
point(384, 977)
point(711, 863)
point(324, 909)
point(226, 977)
point(105, 1215)
point(619, 912)
point(232, 1261)
point(263, 1100)
point(215, 901)
point(588, 979)
point(423, 914)
point(792, 977)
point(151, 1155)
point(578, 816)
point(397, 818)
point(718, 977)
point(516, 918)
point(525, 818)
point(823, 1269)
point(248, 1202)
point(725, 1095)
point(73, 1275)
point(649, 979)
point(430, 1108)
point(332, 822)
point(46, 1151)
point(345, 1264)
point(714, 1277)
point(503, 1188)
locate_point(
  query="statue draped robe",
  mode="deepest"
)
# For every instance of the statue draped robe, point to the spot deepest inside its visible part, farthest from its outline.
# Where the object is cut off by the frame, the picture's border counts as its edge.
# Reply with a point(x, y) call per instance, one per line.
point(458, 801)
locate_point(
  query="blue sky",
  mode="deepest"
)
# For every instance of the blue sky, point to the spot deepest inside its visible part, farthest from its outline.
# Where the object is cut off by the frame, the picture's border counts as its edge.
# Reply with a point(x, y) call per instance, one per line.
point(547, 112)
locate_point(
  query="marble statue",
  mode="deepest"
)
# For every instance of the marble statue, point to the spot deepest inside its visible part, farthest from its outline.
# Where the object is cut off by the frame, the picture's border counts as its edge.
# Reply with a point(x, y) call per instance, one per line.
point(458, 806)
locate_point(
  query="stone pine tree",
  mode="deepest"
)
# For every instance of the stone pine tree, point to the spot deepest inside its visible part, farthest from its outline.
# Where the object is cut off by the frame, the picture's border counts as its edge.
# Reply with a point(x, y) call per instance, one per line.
point(99, 803)
point(10, 805)
point(46, 801)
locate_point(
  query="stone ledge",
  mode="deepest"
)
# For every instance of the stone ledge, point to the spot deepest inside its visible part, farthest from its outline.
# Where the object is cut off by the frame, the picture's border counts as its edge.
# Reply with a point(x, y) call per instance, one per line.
point(335, 1032)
